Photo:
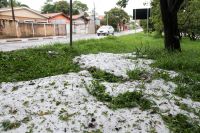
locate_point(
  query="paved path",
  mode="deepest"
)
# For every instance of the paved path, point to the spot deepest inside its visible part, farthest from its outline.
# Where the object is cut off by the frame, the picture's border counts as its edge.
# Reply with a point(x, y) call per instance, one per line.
point(27, 43)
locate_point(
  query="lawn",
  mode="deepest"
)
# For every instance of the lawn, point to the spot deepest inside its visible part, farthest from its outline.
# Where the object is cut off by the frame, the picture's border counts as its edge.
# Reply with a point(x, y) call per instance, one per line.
point(45, 61)
point(31, 64)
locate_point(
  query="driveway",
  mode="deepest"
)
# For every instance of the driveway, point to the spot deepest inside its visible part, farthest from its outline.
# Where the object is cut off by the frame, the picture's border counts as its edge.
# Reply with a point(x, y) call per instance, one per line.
point(31, 43)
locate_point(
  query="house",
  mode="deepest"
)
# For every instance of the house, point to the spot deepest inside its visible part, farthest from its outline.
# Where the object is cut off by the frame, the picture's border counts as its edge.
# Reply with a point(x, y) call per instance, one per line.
point(57, 18)
point(80, 24)
point(23, 14)
point(28, 23)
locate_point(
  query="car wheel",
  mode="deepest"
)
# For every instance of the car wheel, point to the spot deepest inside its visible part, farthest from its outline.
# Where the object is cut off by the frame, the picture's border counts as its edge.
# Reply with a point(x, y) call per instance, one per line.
point(98, 34)
point(113, 33)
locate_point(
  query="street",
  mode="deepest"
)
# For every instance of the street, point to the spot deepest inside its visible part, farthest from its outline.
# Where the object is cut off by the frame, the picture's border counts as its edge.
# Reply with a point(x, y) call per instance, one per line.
point(28, 43)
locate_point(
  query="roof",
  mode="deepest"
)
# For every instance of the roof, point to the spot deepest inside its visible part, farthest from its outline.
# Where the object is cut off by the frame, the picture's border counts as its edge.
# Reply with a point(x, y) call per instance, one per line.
point(101, 17)
point(25, 8)
point(79, 16)
point(51, 15)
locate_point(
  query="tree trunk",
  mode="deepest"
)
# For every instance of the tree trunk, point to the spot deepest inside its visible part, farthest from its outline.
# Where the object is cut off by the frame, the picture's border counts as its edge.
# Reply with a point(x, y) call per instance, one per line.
point(169, 18)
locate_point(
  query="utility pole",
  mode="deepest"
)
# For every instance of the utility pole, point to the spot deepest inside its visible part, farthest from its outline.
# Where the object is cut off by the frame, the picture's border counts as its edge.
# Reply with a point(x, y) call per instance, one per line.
point(135, 19)
point(94, 19)
point(107, 18)
point(70, 12)
point(146, 3)
point(13, 14)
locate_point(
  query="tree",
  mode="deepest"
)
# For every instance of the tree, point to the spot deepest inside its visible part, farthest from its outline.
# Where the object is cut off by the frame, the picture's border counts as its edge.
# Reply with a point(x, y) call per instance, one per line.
point(117, 17)
point(79, 6)
point(6, 3)
point(63, 6)
point(3, 3)
point(169, 10)
point(59, 6)
point(189, 17)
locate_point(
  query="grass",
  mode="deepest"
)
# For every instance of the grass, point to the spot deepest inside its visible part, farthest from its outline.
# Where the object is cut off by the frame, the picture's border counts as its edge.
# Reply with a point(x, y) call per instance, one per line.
point(130, 100)
point(57, 59)
point(104, 76)
point(181, 124)
point(99, 91)
point(136, 74)
point(45, 61)
point(8, 125)
point(188, 109)
point(126, 100)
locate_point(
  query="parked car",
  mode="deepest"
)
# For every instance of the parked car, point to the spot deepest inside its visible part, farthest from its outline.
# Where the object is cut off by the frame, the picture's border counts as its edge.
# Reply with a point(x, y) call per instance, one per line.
point(105, 30)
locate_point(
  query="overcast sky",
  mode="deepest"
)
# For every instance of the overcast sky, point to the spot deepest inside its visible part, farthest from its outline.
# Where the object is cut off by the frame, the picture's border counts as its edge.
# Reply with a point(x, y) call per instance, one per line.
point(101, 5)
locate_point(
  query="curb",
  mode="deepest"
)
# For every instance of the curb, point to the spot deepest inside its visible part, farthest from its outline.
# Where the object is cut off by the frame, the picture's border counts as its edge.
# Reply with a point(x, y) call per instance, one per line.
point(29, 39)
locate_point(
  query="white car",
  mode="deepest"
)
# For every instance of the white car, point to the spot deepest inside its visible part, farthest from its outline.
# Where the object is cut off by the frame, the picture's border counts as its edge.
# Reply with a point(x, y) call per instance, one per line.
point(105, 30)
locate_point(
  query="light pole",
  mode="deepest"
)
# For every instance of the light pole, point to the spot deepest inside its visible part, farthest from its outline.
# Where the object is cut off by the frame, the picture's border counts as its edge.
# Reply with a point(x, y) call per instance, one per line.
point(146, 3)
point(135, 19)
point(70, 12)
point(107, 18)
point(94, 18)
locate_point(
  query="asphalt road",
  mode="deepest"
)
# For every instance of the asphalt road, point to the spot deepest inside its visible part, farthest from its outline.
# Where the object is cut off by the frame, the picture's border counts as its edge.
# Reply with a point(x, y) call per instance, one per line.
point(12, 46)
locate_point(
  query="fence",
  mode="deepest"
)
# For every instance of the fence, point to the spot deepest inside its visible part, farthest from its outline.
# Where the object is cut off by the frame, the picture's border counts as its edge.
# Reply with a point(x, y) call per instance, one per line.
point(14, 29)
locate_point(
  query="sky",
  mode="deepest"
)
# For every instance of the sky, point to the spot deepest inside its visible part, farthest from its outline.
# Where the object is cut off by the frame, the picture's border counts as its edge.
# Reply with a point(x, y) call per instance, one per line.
point(101, 5)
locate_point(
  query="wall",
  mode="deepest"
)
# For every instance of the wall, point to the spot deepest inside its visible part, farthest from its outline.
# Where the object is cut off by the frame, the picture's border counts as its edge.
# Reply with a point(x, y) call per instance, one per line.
point(80, 26)
point(7, 29)
point(14, 29)
point(22, 14)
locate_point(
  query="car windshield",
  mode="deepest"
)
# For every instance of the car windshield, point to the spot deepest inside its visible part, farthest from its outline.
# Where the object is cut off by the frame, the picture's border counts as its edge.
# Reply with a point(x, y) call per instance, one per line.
point(104, 27)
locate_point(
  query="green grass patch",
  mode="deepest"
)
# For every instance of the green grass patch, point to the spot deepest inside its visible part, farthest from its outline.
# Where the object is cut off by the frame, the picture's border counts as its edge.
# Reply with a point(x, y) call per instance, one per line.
point(188, 109)
point(99, 91)
point(148, 77)
point(57, 59)
point(104, 76)
point(136, 74)
point(188, 86)
point(181, 124)
point(8, 125)
point(130, 100)
point(126, 100)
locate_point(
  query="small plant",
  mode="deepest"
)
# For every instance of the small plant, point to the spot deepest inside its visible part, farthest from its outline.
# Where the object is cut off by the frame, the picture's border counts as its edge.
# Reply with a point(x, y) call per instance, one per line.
point(65, 116)
point(161, 75)
point(66, 84)
point(15, 88)
point(8, 125)
point(26, 119)
point(26, 103)
point(58, 103)
point(137, 74)
point(52, 83)
point(98, 90)
point(42, 113)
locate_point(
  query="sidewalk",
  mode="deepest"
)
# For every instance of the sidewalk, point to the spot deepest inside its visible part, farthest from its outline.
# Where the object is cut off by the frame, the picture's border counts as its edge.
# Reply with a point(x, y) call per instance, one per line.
point(24, 43)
